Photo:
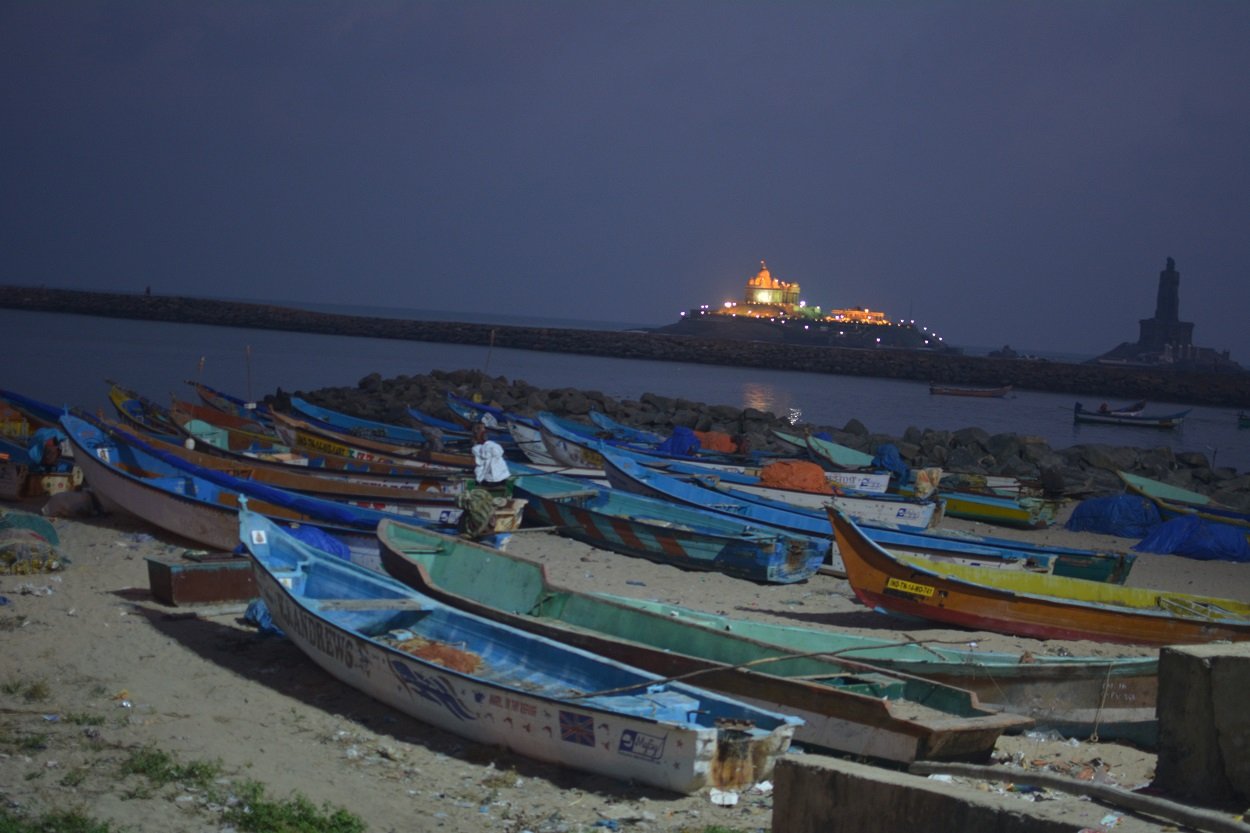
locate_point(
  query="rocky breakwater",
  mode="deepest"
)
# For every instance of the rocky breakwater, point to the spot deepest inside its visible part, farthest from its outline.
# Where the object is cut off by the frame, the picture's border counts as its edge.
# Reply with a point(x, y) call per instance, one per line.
point(1100, 381)
point(1077, 471)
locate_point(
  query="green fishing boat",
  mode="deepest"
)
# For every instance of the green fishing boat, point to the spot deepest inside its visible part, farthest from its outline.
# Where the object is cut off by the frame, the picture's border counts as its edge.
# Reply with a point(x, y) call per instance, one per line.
point(848, 706)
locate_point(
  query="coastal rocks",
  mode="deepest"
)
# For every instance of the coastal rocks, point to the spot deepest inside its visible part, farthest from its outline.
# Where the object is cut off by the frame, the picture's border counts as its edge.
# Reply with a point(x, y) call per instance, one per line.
point(1078, 471)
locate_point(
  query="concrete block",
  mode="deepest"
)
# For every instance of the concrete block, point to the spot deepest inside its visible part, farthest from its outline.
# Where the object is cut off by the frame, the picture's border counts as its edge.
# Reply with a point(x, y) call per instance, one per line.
point(1204, 727)
point(817, 794)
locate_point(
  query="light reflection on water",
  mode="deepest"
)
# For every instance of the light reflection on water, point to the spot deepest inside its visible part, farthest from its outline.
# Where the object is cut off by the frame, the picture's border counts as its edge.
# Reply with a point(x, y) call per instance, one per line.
point(763, 397)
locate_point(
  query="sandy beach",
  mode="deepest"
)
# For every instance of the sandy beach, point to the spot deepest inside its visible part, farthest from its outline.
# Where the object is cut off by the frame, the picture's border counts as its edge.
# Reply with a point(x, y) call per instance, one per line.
point(98, 671)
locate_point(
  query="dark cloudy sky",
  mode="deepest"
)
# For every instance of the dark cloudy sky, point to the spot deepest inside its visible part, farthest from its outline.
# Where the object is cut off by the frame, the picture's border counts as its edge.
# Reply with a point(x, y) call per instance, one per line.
point(1006, 172)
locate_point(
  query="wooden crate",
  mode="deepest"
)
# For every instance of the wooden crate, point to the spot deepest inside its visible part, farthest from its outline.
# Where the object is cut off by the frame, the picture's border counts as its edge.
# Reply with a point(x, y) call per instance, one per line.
point(201, 579)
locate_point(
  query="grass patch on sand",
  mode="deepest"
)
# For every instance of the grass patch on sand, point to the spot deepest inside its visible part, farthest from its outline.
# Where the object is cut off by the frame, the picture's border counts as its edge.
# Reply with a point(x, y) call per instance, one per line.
point(61, 821)
point(247, 807)
point(257, 813)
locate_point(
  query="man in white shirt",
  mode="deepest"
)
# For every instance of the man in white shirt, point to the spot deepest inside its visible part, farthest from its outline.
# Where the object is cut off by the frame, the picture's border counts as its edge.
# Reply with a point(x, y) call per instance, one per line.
point(489, 468)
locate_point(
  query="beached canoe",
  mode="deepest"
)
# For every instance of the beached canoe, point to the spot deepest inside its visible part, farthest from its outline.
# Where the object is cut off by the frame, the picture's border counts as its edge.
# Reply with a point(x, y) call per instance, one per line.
point(358, 427)
point(228, 403)
point(436, 500)
point(308, 437)
point(1028, 604)
point(845, 706)
point(668, 532)
point(1077, 696)
point(200, 504)
point(503, 686)
point(1176, 502)
point(138, 411)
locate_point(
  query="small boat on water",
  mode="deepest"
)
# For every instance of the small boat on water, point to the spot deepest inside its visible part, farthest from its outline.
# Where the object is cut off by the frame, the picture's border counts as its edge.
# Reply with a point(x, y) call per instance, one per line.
point(503, 686)
point(1029, 604)
point(668, 532)
point(847, 706)
point(1081, 414)
point(958, 390)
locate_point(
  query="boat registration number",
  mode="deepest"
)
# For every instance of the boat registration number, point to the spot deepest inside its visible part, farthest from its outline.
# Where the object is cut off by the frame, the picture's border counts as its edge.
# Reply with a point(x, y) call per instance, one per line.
point(909, 587)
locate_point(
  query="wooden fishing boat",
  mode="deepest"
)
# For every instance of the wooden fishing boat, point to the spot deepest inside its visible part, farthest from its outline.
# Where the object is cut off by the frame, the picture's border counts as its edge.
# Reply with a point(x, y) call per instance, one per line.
point(999, 500)
point(304, 436)
point(871, 483)
point(226, 403)
point(623, 432)
point(893, 510)
point(200, 504)
point(503, 686)
point(1018, 513)
point(576, 444)
point(834, 455)
point(1113, 697)
point(959, 390)
point(846, 706)
point(518, 434)
point(436, 500)
point(221, 430)
point(249, 448)
point(354, 426)
point(257, 429)
point(1082, 415)
point(139, 411)
point(627, 475)
point(1174, 502)
point(1026, 604)
point(989, 551)
point(669, 533)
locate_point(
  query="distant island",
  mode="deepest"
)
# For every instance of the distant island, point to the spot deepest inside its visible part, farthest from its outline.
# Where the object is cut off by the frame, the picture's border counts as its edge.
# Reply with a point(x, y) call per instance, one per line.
point(1101, 381)
point(771, 310)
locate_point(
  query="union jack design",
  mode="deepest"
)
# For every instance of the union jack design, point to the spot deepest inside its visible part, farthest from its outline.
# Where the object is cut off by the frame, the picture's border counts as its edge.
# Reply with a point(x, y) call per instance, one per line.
point(577, 728)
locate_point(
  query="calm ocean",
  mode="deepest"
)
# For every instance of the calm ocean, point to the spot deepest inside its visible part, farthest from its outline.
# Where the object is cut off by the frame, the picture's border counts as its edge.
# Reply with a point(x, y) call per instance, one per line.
point(65, 359)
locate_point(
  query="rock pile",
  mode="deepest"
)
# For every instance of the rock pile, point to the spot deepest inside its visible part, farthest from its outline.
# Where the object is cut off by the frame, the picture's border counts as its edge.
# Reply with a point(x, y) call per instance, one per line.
point(1078, 471)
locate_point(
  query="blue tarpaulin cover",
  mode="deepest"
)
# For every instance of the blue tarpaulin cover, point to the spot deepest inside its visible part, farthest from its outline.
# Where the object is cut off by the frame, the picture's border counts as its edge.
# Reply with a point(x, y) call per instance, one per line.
point(258, 615)
point(1128, 516)
point(682, 443)
point(320, 539)
point(1194, 537)
point(888, 458)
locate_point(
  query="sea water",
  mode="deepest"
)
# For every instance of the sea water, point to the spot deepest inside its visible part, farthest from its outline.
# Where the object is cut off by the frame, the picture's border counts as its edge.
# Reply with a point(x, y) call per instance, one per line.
point(66, 360)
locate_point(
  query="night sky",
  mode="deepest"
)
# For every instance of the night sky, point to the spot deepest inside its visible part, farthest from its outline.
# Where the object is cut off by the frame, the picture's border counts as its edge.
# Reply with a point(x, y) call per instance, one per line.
point(1003, 172)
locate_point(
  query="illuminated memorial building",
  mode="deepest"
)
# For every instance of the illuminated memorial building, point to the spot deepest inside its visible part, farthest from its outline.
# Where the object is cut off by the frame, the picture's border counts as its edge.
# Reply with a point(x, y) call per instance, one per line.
point(773, 310)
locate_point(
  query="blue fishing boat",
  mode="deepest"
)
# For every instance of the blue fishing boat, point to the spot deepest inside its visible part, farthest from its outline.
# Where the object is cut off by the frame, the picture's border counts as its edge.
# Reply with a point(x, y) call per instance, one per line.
point(502, 686)
point(200, 504)
point(357, 426)
point(846, 705)
point(669, 532)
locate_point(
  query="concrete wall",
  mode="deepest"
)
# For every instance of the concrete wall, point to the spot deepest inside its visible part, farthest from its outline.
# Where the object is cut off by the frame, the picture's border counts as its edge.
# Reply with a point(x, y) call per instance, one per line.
point(1228, 389)
point(1204, 724)
point(815, 794)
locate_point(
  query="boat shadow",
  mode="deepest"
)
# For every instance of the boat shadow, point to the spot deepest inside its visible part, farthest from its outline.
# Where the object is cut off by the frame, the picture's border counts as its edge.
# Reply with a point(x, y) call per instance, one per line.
point(272, 661)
